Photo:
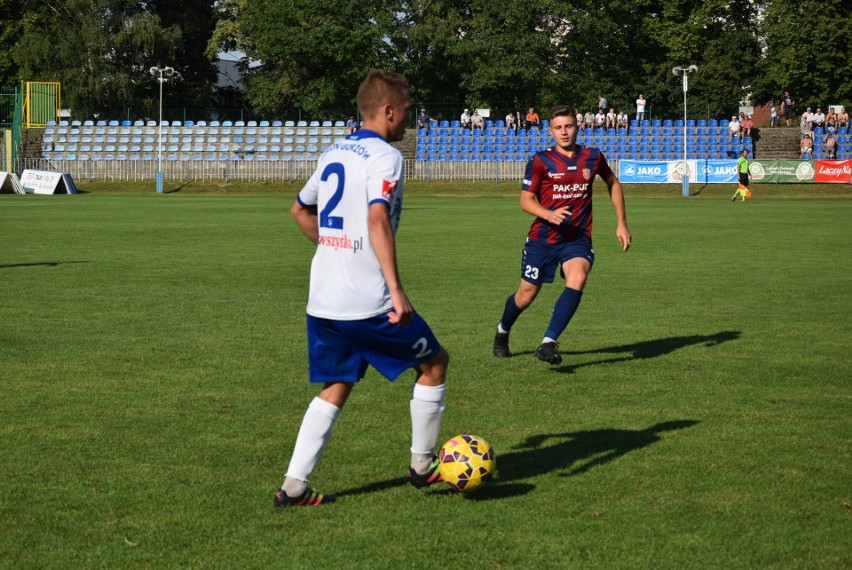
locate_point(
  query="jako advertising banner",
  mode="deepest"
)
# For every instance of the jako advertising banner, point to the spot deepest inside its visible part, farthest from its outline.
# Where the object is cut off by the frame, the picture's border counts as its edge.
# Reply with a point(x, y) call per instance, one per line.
point(725, 171)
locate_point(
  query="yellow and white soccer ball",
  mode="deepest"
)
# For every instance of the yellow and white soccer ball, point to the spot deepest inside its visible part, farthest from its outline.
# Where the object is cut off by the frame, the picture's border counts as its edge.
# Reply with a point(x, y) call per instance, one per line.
point(467, 463)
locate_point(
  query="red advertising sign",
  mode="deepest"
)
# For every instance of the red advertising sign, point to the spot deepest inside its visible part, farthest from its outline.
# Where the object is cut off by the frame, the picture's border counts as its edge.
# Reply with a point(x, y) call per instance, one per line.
point(833, 171)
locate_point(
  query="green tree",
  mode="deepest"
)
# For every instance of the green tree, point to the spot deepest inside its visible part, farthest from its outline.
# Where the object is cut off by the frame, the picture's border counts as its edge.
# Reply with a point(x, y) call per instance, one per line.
point(422, 37)
point(101, 50)
point(807, 52)
point(11, 14)
point(719, 36)
point(312, 55)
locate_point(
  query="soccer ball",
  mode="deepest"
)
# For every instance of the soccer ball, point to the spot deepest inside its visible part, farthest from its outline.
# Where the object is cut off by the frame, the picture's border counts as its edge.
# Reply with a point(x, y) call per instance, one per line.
point(467, 463)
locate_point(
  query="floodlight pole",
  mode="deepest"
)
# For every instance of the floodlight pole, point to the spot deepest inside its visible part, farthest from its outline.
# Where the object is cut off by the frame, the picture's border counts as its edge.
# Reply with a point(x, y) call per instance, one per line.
point(158, 72)
point(685, 71)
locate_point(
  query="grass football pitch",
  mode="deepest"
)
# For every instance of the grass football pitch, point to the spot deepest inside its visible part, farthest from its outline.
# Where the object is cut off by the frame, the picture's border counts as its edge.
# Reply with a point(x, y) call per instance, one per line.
point(153, 372)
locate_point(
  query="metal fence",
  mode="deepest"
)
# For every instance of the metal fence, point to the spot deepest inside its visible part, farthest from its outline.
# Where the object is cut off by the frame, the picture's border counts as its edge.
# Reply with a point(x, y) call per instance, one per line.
point(11, 120)
point(288, 170)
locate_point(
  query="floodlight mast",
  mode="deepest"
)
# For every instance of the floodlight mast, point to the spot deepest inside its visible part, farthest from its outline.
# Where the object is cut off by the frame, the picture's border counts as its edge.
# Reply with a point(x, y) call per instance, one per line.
point(685, 71)
point(159, 72)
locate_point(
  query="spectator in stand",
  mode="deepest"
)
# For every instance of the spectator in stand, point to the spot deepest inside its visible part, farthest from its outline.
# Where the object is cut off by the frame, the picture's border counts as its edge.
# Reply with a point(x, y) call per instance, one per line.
point(532, 119)
point(773, 115)
point(510, 121)
point(734, 127)
point(351, 125)
point(603, 104)
point(805, 122)
point(830, 147)
point(843, 119)
point(611, 119)
point(581, 122)
point(831, 121)
point(746, 124)
point(589, 119)
point(787, 104)
point(818, 120)
point(640, 108)
point(623, 121)
point(476, 121)
point(423, 120)
point(600, 119)
point(807, 147)
point(465, 119)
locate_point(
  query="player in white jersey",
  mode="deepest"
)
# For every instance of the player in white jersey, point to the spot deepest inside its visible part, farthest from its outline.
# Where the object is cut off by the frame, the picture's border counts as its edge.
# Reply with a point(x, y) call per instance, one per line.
point(358, 312)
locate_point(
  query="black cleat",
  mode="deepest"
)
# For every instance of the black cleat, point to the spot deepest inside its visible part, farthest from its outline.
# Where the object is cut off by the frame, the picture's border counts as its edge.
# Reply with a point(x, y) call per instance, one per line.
point(547, 352)
point(432, 476)
point(310, 498)
point(501, 345)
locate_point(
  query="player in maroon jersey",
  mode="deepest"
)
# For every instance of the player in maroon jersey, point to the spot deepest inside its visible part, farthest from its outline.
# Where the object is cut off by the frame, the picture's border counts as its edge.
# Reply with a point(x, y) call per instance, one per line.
point(557, 190)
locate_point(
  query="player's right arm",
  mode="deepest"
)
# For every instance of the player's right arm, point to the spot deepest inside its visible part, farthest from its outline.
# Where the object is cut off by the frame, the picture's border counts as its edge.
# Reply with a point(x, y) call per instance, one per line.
point(529, 194)
point(530, 205)
point(307, 220)
point(384, 246)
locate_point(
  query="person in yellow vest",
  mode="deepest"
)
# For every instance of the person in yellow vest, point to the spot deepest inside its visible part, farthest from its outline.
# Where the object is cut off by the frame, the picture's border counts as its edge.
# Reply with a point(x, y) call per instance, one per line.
point(742, 170)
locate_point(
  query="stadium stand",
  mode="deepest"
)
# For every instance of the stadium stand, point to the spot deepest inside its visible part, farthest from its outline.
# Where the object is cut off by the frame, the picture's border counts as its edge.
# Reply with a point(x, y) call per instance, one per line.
point(187, 140)
point(651, 140)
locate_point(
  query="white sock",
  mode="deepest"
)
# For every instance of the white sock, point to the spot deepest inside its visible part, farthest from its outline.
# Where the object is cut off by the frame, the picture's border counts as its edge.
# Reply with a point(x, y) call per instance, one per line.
point(500, 328)
point(427, 409)
point(548, 339)
point(316, 430)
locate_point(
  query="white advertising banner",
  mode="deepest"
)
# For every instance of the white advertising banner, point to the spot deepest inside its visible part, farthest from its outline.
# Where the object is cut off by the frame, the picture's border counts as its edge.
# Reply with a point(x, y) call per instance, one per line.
point(46, 182)
point(9, 183)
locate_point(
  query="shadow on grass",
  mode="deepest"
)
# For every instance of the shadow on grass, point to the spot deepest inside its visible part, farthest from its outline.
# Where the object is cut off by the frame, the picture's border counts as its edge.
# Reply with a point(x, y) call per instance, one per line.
point(649, 349)
point(570, 453)
point(178, 189)
point(374, 487)
point(40, 264)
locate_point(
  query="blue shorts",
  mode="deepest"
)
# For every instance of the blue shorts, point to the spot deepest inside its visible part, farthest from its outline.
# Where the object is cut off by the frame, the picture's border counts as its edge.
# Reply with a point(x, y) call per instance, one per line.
point(540, 260)
point(340, 351)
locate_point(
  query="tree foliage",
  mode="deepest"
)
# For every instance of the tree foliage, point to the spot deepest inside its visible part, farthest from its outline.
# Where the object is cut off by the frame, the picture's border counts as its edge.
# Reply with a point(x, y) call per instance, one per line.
point(11, 15)
point(807, 52)
point(500, 54)
point(311, 53)
point(101, 50)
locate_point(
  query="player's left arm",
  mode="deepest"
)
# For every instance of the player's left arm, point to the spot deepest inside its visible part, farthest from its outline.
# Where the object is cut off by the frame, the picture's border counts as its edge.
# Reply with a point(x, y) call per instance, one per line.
point(616, 194)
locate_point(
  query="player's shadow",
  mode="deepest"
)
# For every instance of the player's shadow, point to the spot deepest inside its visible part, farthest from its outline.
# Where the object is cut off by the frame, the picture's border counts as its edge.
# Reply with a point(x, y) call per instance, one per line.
point(569, 454)
point(40, 264)
point(648, 349)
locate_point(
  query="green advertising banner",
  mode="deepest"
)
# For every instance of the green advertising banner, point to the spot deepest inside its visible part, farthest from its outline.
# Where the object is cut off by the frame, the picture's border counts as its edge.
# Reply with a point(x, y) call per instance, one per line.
point(781, 171)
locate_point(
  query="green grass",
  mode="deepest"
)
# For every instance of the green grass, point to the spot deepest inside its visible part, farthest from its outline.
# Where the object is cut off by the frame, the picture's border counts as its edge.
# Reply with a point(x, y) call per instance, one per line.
point(153, 372)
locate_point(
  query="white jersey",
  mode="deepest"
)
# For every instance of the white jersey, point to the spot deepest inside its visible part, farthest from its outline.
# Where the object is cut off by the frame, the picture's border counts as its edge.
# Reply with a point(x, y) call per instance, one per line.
point(347, 283)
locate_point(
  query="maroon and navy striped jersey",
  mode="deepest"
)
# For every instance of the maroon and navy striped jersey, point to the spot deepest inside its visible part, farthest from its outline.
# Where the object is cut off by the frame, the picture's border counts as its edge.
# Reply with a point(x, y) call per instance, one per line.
point(557, 181)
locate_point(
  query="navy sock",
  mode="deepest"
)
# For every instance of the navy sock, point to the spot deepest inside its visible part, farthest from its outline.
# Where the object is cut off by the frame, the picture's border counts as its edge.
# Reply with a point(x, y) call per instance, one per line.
point(510, 313)
point(566, 306)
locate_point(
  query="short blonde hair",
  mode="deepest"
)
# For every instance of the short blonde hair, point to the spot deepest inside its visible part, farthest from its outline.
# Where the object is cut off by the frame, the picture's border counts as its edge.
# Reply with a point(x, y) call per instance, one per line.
point(378, 88)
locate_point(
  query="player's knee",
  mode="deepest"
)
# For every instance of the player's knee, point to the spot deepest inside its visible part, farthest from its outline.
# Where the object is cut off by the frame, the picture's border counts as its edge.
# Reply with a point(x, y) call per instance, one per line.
point(433, 372)
point(525, 297)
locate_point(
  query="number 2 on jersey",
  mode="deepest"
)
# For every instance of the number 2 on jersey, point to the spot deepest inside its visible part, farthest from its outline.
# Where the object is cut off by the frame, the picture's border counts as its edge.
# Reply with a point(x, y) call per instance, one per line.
point(326, 220)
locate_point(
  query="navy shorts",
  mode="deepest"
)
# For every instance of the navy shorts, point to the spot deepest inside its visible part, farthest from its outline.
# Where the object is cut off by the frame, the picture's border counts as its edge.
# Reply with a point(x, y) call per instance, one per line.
point(340, 351)
point(540, 260)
